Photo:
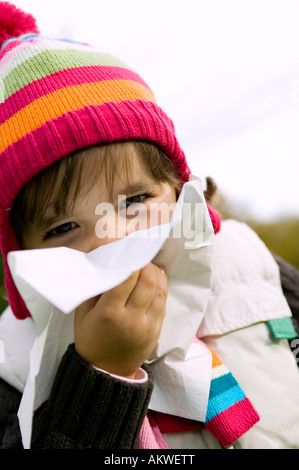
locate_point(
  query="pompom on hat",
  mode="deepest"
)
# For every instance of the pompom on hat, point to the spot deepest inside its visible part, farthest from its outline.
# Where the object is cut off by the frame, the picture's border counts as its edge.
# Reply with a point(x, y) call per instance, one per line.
point(14, 22)
point(57, 97)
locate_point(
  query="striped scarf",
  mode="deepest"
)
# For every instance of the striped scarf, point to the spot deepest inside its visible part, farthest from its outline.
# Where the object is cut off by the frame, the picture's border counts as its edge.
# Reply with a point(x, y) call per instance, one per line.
point(229, 414)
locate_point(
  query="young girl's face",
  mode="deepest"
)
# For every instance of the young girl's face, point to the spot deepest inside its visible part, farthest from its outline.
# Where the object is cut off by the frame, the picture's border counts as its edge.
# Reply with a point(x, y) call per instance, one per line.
point(103, 214)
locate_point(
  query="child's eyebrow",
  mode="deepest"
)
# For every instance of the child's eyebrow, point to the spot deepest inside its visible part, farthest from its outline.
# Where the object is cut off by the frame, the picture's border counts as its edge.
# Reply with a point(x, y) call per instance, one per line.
point(135, 188)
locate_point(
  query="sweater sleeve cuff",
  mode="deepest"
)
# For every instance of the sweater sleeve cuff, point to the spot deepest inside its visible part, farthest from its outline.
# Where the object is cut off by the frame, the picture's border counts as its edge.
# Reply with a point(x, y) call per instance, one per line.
point(94, 408)
point(140, 376)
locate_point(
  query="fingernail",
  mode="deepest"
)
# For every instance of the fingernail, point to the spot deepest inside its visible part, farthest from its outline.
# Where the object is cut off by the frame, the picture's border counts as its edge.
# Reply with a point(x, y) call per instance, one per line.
point(162, 269)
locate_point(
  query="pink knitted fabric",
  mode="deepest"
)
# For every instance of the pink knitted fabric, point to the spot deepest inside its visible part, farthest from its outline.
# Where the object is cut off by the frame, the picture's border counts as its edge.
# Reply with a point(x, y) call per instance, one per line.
point(150, 436)
point(15, 22)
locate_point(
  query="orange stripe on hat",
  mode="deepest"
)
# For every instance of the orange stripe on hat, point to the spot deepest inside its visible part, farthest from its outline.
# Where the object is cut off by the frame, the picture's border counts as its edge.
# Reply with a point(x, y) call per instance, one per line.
point(69, 99)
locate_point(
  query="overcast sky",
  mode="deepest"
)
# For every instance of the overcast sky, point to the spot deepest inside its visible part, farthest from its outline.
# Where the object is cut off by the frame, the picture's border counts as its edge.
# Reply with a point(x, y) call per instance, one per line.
point(227, 73)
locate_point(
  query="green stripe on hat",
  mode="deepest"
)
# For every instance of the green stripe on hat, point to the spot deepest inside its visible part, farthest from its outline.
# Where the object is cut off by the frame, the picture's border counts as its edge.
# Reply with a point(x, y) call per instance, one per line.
point(53, 60)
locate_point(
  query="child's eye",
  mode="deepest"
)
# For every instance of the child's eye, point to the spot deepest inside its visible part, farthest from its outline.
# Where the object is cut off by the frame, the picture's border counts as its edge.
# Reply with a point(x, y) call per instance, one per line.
point(133, 200)
point(61, 229)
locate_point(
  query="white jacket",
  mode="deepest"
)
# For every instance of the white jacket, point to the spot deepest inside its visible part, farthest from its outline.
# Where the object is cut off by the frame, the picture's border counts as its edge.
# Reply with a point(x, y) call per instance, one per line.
point(246, 293)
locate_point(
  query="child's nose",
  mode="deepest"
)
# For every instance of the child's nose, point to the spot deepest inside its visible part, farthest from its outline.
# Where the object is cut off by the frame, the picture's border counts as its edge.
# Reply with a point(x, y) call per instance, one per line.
point(96, 241)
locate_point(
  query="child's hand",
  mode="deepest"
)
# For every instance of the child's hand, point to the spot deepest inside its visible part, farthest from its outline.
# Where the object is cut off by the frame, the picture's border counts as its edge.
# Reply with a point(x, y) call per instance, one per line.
point(117, 331)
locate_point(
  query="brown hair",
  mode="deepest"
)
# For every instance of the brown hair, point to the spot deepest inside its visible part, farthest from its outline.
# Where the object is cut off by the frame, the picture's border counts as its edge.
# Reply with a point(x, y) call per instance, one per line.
point(59, 184)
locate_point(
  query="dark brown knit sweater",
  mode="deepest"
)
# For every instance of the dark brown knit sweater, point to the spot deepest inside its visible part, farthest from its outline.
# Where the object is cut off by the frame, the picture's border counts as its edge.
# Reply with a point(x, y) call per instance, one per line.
point(86, 409)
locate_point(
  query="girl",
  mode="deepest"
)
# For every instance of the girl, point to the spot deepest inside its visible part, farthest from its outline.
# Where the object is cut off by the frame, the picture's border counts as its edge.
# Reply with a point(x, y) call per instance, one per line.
point(77, 128)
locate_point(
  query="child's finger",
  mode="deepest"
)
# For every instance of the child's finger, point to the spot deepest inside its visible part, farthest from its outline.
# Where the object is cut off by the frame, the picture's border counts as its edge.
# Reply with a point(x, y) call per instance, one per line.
point(150, 290)
point(117, 297)
point(158, 304)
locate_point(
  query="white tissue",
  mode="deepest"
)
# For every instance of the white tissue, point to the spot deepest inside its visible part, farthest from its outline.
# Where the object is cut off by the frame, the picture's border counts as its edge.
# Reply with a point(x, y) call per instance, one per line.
point(53, 282)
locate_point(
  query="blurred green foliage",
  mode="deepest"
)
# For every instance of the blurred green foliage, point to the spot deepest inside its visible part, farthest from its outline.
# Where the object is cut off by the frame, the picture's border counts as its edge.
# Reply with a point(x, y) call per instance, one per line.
point(281, 236)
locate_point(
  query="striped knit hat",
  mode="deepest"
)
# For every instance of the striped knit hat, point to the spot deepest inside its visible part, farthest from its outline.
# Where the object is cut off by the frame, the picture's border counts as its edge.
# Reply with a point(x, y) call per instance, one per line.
point(57, 97)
